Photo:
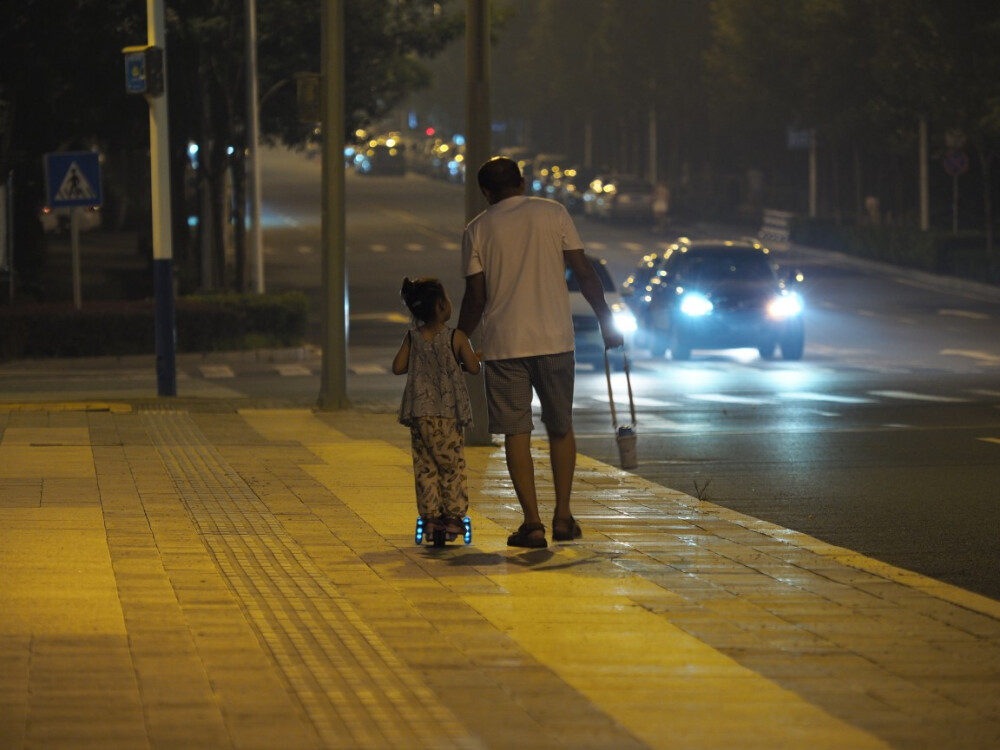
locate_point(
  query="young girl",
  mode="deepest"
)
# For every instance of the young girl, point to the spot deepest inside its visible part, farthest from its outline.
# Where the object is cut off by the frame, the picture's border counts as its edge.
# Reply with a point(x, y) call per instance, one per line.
point(436, 404)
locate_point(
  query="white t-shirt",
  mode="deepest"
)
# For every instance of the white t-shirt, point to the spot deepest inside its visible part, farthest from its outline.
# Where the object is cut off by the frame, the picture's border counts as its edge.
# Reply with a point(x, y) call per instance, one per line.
point(518, 245)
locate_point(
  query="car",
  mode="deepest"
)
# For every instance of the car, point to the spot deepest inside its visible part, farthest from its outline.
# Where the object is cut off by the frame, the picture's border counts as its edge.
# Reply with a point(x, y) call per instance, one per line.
point(586, 331)
point(722, 294)
point(381, 156)
point(571, 184)
point(540, 171)
point(58, 220)
point(619, 198)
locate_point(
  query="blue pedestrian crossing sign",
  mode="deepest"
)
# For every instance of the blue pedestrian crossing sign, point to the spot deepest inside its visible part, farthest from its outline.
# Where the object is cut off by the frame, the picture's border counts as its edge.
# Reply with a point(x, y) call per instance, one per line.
point(73, 178)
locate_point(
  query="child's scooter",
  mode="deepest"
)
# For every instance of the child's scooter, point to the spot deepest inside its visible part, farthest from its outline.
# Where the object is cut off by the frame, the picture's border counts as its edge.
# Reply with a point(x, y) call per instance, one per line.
point(436, 532)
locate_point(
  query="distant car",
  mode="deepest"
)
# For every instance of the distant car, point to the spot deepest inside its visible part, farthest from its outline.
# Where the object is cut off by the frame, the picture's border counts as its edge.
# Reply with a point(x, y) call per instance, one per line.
point(722, 294)
point(544, 168)
point(381, 156)
point(57, 220)
point(586, 330)
point(570, 186)
point(619, 198)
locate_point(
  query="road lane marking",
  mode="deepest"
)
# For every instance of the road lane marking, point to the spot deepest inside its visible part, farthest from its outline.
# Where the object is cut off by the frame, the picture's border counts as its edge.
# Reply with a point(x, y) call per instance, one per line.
point(414, 247)
point(983, 357)
point(451, 246)
point(808, 396)
point(990, 440)
point(216, 371)
point(964, 314)
point(910, 396)
point(638, 401)
point(368, 370)
point(289, 371)
point(723, 398)
point(984, 392)
point(378, 248)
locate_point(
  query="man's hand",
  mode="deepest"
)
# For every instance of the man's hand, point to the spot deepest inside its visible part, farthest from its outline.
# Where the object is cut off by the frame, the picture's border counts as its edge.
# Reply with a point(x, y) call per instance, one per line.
point(590, 285)
point(613, 338)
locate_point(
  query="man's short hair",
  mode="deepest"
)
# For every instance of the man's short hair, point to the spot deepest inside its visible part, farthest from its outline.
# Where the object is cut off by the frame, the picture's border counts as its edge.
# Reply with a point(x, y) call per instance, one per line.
point(500, 174)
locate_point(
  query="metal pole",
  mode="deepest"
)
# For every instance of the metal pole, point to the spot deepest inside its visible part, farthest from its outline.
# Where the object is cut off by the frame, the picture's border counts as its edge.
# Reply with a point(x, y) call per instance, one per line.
point(253, 151)
point(925, 201)
point(163, 262)
point(74, 244)
point(478, 147)
point(333, 388)
point(812, 175)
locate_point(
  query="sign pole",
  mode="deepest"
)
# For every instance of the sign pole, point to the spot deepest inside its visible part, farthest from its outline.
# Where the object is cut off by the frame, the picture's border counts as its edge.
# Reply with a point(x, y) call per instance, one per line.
point(74, 239)
point(163, 264)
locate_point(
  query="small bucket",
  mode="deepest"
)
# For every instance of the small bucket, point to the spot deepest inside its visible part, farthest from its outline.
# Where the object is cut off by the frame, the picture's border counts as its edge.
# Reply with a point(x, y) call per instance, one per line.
point(626, 447)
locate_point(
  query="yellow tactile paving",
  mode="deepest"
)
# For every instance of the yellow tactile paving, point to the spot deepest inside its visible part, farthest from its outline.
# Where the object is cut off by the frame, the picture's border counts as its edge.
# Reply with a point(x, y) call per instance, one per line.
point(55, 573)
point(665, 686)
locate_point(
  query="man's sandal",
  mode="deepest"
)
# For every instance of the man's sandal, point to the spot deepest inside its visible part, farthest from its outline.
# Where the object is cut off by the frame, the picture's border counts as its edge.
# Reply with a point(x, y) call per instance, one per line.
point(530, 535)
point(565, 529)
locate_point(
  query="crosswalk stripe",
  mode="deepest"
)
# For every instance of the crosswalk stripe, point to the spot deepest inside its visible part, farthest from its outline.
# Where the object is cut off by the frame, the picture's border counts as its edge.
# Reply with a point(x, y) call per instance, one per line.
point(368, 369)
point(723, 398)
point(292, 370)
point(829, 397)
point(910, 396)
point(216, 371)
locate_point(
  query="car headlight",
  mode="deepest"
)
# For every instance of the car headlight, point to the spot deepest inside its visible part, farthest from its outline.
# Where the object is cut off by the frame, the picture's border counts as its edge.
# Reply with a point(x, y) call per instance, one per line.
point(785, 306)
point(624, 319)
point(696, 305)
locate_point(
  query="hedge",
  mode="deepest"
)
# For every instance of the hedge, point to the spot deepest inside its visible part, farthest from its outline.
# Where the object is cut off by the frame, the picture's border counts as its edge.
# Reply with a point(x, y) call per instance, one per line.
point(963, 254)
point(204, 323)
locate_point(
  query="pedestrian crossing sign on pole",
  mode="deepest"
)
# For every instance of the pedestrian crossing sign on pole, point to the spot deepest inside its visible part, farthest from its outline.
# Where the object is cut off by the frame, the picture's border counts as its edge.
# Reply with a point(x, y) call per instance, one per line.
point(73, 178)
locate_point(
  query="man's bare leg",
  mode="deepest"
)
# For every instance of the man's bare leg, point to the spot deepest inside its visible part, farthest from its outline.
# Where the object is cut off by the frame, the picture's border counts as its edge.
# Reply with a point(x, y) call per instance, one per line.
point(562, 453)
point(522, 473)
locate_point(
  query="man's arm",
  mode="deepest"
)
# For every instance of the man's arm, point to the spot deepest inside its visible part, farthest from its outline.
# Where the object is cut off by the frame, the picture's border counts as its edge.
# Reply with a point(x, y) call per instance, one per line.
point(590, 286)
point(473, 303)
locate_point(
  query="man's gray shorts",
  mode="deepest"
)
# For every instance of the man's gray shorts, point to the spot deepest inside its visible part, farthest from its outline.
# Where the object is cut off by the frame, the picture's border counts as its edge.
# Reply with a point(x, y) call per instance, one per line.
point(509, 383)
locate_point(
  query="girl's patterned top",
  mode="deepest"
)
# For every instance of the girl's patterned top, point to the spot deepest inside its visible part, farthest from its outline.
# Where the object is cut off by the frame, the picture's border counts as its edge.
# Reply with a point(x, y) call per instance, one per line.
point(435, 383)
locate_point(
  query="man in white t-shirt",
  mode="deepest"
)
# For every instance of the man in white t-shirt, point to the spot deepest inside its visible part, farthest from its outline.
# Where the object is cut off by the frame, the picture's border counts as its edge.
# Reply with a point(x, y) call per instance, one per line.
point(514, 256)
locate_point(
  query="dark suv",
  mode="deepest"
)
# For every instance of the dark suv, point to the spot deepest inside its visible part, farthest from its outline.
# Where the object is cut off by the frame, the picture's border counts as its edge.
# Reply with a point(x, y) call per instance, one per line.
point(722, 294)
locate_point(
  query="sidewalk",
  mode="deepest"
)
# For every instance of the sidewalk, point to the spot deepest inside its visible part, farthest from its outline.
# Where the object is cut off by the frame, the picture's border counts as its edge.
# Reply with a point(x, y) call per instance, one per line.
point(186, 574)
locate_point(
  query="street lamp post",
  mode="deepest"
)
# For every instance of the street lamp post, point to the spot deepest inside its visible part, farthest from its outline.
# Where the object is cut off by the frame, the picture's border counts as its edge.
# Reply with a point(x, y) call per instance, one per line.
point(253, 151)
point(333, 386)
point(477, 124)
point(163, 262)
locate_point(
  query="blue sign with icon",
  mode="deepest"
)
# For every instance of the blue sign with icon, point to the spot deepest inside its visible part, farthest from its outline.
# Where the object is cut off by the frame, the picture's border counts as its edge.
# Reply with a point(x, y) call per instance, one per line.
point(73, 178)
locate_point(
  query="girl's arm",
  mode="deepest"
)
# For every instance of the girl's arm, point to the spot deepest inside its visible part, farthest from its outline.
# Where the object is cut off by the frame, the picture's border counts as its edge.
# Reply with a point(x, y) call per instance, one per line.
point(401, 362)
point(468, 358)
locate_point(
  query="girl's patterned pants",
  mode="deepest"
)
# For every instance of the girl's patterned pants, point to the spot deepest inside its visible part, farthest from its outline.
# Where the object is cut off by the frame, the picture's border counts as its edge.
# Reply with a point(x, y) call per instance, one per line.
point(439, 467)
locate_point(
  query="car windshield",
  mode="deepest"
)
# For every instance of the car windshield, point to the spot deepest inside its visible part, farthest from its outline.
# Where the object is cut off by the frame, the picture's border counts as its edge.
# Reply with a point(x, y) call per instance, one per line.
point(717, 267)
point(602, 274)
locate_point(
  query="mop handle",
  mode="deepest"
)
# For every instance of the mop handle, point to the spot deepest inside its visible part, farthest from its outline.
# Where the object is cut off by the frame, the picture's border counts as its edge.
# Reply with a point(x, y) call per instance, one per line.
point(611, 397)
point(628, 382)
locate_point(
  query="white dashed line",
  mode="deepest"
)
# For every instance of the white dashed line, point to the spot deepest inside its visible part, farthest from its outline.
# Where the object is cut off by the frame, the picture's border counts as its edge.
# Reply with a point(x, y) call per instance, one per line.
point(289, 371)
point(216, 371)
point(910, 396)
